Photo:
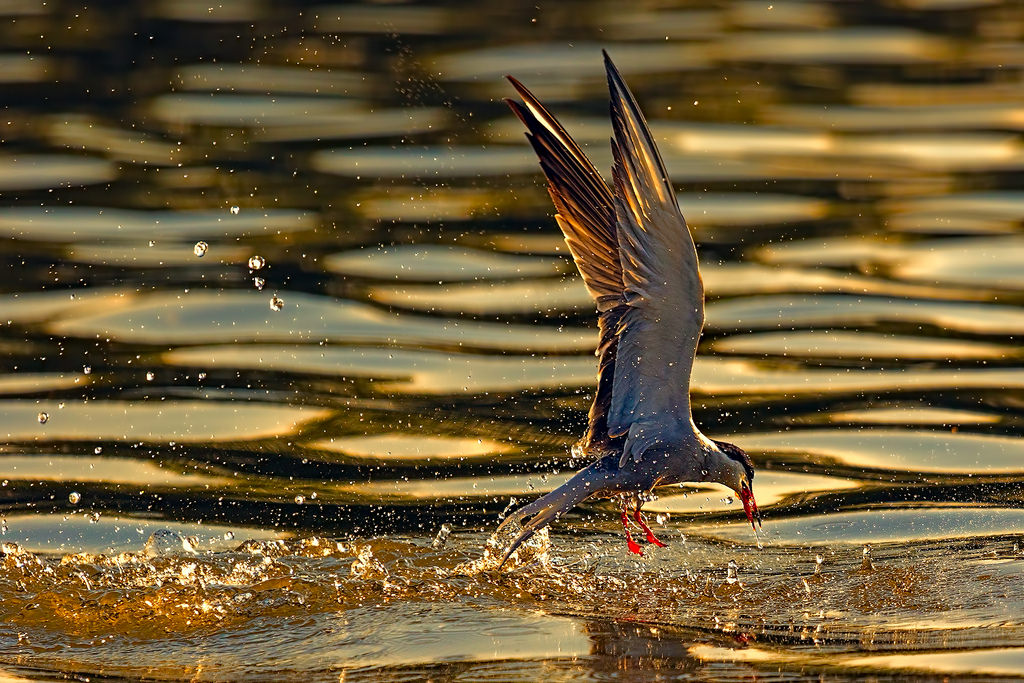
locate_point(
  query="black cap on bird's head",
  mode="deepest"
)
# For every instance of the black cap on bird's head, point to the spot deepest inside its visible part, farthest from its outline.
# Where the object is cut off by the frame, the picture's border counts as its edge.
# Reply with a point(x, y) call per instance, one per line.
point(734, 452)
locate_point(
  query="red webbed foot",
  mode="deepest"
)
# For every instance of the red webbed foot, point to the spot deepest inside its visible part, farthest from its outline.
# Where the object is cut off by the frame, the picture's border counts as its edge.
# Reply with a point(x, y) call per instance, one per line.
point(651, 538)
point(633, 546)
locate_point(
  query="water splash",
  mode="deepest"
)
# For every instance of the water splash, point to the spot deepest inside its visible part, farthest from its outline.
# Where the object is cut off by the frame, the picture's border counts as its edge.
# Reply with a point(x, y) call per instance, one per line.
point(442, 536)
point(366, 565)
point(167, 543)
point(866, 564)
point(508, 508)
point(732, 573)
point(535, 552)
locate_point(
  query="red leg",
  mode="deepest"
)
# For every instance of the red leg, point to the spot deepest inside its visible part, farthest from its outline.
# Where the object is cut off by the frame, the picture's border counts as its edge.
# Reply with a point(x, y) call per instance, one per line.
point(651, 538)
point(634, 547)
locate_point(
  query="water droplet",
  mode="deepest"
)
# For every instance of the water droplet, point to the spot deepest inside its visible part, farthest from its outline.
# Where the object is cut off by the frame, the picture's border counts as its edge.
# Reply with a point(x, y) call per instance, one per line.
point(300, 499)
point(229, 535)
point(200, 249)
point(87, 369)
point(312, 496)
point(866, 563)
point(43, 418)
point(74, 497)
point(442, 536)
point(276, 303)
point(202, 375)
point(504, 513)
point(258, 282)
point(150, 376)
point(167, 542)
point(93, 517)
point(98, 450)
point(256, 262)
point(818, 561)
point(732, 576)
point(235, 210)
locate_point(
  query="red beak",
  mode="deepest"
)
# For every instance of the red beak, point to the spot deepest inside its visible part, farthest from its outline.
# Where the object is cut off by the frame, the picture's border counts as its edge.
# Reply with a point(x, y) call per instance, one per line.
point(750, 506)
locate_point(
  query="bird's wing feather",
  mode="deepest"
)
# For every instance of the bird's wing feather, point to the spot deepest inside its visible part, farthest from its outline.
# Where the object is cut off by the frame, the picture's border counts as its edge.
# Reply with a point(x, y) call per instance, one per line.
point(586, 215)
point(663, 291)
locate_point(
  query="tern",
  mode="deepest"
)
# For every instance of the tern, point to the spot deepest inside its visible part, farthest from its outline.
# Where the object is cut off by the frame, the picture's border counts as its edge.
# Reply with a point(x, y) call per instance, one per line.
point(638, 261)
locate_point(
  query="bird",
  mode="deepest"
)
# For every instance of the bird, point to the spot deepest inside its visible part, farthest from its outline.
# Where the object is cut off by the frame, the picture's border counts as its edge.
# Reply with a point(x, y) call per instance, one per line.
point(638, 261)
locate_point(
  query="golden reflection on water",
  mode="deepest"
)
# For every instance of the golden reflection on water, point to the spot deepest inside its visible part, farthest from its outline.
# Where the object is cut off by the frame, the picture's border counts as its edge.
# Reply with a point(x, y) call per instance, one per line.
point(293, 463)
point(914, 415)
point(395, 447)
point(400, 371)
point(245, 316)
point(985, 662)
point(30, 172)
point(110, 470)
point(772, 488)
point(460, 488)
point(151, 421)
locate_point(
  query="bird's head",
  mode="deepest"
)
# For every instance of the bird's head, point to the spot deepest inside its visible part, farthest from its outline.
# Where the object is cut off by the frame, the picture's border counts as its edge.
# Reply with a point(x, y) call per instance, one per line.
point(739, 475)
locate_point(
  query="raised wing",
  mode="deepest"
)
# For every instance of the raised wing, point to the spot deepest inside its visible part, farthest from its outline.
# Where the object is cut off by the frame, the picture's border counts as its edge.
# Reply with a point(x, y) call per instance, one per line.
point(586, 211)
point(664, 294)
point(586, 215)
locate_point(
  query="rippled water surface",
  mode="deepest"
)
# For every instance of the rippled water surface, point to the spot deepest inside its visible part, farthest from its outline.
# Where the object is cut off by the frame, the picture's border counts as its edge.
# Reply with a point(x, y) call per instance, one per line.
point(286, 326)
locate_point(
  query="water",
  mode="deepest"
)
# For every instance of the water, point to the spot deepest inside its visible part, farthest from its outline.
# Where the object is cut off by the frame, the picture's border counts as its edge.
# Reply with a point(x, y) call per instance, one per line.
point(214, 473)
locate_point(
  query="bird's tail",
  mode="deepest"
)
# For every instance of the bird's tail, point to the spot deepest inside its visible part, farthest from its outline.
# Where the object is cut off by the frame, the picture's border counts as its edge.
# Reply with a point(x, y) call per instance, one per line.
point(548, 508)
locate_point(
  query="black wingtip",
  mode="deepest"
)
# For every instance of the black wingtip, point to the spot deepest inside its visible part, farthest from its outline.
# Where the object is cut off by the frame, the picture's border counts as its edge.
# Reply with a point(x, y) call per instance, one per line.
point(518, 107)
point(615, 80)
point(528, 97)
point(519, 111)
point(523, 91)
point(610, 68)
